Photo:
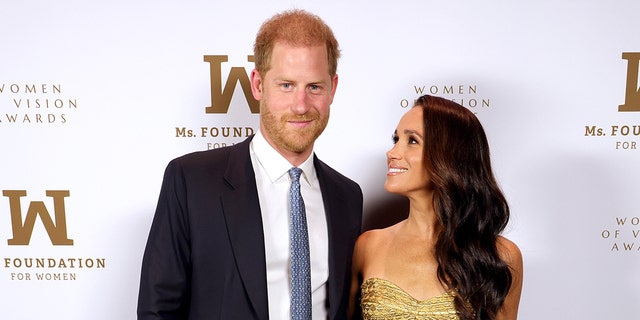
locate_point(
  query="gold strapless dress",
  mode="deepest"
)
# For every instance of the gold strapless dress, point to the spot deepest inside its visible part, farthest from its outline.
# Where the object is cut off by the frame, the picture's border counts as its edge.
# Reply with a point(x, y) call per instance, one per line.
point(383, 300)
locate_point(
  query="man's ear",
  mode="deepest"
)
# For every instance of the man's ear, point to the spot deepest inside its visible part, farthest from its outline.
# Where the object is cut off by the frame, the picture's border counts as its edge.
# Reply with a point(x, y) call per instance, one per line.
point(256, 84)
point(334, 86)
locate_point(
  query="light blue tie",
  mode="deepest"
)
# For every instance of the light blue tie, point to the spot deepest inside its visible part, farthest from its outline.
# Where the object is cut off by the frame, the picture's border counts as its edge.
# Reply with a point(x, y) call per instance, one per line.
point(299, 246)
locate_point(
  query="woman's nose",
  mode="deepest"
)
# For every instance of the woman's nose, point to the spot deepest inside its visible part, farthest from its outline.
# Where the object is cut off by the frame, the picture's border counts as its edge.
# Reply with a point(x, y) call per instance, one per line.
point(392, 153)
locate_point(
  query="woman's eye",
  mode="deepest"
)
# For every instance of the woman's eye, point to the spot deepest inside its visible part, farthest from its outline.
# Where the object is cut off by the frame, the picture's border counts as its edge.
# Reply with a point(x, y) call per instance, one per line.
point(414, 140)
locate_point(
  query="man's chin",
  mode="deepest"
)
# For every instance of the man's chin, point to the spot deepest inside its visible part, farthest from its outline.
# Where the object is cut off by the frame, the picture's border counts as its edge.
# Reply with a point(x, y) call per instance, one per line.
point(299, 143)
point(298, 147)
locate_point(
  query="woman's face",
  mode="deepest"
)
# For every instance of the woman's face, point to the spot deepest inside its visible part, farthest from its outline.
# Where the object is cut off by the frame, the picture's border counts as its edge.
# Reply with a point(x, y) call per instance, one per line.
point(406, 172)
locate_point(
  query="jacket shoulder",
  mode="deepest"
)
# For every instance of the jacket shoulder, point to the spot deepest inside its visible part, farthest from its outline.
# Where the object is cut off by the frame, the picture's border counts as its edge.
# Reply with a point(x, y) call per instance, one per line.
point(336, 178)
point(207, 159)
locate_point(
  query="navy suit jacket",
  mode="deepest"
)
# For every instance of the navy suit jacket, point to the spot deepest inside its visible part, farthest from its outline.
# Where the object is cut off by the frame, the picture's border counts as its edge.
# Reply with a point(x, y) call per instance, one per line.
point(205, 255)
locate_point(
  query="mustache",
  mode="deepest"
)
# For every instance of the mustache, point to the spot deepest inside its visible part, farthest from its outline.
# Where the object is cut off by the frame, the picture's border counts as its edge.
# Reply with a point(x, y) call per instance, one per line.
point(301, 117)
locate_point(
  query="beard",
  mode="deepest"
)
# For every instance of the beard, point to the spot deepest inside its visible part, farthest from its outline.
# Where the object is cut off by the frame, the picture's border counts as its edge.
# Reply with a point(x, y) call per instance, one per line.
point(292, 139)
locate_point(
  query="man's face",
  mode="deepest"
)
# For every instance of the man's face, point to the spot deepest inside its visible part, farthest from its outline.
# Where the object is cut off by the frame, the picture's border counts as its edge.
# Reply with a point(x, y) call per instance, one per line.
point(295, 95)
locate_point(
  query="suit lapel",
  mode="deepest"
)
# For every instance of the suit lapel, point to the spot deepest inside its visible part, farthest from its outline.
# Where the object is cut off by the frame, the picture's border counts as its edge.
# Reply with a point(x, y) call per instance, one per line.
point(338, 233)
point(244, 223)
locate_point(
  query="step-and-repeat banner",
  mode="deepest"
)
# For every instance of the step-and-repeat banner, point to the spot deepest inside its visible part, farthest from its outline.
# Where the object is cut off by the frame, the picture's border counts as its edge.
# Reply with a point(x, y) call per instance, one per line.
point(97, 97)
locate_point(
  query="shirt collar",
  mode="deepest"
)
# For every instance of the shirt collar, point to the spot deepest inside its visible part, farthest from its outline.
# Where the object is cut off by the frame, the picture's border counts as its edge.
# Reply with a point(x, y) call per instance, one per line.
point(275, 165)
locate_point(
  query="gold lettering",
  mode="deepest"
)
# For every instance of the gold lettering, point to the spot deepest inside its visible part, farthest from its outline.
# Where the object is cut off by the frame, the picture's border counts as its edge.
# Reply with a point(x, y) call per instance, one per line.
point(22, 231)
point(221, 97)
point(632, 96)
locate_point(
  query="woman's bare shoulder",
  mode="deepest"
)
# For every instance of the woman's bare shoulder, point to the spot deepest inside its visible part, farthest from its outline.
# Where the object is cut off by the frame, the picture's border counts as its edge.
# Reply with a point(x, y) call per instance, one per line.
point(378, 235)
point(374, 238)
point(509, 253)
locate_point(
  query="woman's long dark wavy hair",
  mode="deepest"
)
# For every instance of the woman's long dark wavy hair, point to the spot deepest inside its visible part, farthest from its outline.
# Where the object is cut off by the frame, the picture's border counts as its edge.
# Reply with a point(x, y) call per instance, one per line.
point(470, 206)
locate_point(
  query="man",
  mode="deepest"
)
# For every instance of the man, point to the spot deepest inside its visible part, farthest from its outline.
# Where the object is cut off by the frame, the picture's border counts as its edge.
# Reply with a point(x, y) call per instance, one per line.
point(219, 243)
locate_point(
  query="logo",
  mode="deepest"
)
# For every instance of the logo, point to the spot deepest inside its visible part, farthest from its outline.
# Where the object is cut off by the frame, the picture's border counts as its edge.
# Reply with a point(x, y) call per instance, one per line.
point(632, 96)
point(48, 267)
point(624, 135)
point(235, 126)
point(22, 231)
point(221, 97)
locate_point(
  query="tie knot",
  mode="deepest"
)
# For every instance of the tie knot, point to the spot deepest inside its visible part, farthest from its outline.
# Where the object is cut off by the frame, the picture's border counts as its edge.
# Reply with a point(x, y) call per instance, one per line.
point(295, 173)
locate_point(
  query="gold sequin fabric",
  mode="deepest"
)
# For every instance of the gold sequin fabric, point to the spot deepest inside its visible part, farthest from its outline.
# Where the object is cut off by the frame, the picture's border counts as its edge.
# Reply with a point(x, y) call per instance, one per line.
point(382, 299)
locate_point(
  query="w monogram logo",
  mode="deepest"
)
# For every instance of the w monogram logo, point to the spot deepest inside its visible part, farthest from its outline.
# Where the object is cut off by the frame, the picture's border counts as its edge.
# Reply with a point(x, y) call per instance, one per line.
point(221, 96)
point(632, 96)
point(22, 230)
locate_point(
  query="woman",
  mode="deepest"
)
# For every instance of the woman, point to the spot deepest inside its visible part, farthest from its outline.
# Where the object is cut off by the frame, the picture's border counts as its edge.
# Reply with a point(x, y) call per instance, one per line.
point(447, 260)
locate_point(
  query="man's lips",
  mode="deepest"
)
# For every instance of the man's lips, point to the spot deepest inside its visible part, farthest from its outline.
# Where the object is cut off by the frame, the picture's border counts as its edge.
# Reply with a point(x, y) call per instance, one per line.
point(299, 123)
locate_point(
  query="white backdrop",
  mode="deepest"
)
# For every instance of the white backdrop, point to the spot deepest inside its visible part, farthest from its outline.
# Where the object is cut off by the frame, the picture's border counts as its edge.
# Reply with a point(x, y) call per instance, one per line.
point(97, 97)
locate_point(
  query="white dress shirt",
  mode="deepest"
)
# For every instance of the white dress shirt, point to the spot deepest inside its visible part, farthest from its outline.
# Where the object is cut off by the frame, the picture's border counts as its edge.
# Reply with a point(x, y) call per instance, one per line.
point(273, 182)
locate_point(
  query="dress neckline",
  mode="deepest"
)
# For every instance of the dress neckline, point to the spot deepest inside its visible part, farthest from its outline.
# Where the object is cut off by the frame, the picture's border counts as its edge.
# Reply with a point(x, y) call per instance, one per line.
point(392, 284)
